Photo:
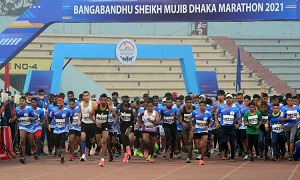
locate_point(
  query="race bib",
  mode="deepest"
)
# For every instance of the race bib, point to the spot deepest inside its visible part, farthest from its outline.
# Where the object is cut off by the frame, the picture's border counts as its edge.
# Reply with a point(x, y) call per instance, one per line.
point(277, 128)
point(292, 114)
point(253, 119)
point(101, 118)
point(25, 121)
point(126, 117)
point(186, 117)
point(264, 119)
point(75, 120)
point(169, 120)
point(110, 118)
point(200, 124)
point(228, 119)
point(60, 123)
point(149, 126)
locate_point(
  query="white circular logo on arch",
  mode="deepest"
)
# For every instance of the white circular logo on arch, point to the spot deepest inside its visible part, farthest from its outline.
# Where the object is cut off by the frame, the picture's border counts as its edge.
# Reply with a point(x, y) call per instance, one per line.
point(126, 51)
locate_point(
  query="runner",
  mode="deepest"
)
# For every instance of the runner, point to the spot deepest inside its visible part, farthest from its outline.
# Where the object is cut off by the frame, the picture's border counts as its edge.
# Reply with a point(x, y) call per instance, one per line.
point(168, 116)
point(289, 117)
point(264, 136)
point(62, 122)
point(230, 121)
point(88, 127)
point(26, 116)
point(252, 120)
point(277, 134)
point(149, 119)
point(200, 120)
point(99, 116)
point(75, 131)
point(241, 132)
point(184, 114)
point(39, 123)
point(127, 119)
point(41, 103)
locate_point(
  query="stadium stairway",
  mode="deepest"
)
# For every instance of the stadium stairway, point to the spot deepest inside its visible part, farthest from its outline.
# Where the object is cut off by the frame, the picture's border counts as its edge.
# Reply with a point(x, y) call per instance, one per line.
point(248, 59)
point(280, 55)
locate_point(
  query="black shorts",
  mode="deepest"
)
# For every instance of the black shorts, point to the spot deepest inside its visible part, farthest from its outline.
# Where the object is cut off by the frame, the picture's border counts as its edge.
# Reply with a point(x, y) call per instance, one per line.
point(138, 134)
point(199, 135)
point(152, 134)
point(89, 129)
point(104, 127)
point(124, 126)
point(241, 133)
point(187, 129)
point(77, 133)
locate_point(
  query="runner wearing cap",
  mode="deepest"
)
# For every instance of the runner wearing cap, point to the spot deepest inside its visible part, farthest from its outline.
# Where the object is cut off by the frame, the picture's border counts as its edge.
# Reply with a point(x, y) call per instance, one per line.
point(229, 122)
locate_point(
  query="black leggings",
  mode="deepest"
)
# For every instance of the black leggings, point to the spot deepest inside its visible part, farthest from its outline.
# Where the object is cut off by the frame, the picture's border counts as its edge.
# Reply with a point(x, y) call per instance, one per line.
point(253, 141)
point(170, 133)
point(60, 139)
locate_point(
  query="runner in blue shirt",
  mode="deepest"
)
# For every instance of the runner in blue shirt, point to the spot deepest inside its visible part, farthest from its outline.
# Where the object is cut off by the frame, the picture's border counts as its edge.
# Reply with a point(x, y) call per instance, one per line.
point(200, 120)
point(230, 121)
point(61, 118)
point(277, 134)
point(26, 116)
point(39, 123)
point(289, 117)
point(74, 133)
point(169, 115)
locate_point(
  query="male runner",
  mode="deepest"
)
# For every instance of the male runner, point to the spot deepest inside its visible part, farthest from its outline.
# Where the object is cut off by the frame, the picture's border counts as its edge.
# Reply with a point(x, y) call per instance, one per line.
point(75, 131)
point(99, 116)
point(88, 127)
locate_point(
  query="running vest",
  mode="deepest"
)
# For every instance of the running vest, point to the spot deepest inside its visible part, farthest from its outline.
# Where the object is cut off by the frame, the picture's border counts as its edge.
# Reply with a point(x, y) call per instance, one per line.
point(186, 115)
point(102, 116)
point(126, 115)
point(149, 126)
point(86, 113)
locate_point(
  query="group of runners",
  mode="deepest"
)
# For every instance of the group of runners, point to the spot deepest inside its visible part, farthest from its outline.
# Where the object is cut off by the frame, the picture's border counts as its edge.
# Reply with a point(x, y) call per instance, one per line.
point(250, 127)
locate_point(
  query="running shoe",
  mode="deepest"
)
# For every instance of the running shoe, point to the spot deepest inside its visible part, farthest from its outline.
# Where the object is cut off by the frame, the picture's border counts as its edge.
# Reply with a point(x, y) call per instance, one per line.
point(111, 158)
point(171, 156)
point(62, 160)
point(165, 155)
point(156, 146)
point(83, 158)
point(23, 160)
point(125, 160)
point(198, 157)
point(211, 151)
point(141, 154)
point(72, 158)
point(246, 157)
point(273, 158)
point(179, 156)
point(128, 151)
point(135, 152)
point(146, 154)
point(154, 155)
point(76, 154)
point(92, 151)
point(148, 158)
point(36, 157)
point(224, 158)
point(188, 160)
point(152, 159)
point(101, 163)
point(201, 162)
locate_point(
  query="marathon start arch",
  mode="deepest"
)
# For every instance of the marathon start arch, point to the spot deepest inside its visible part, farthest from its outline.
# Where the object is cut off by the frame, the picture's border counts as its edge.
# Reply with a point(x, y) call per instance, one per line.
point(46, 12)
